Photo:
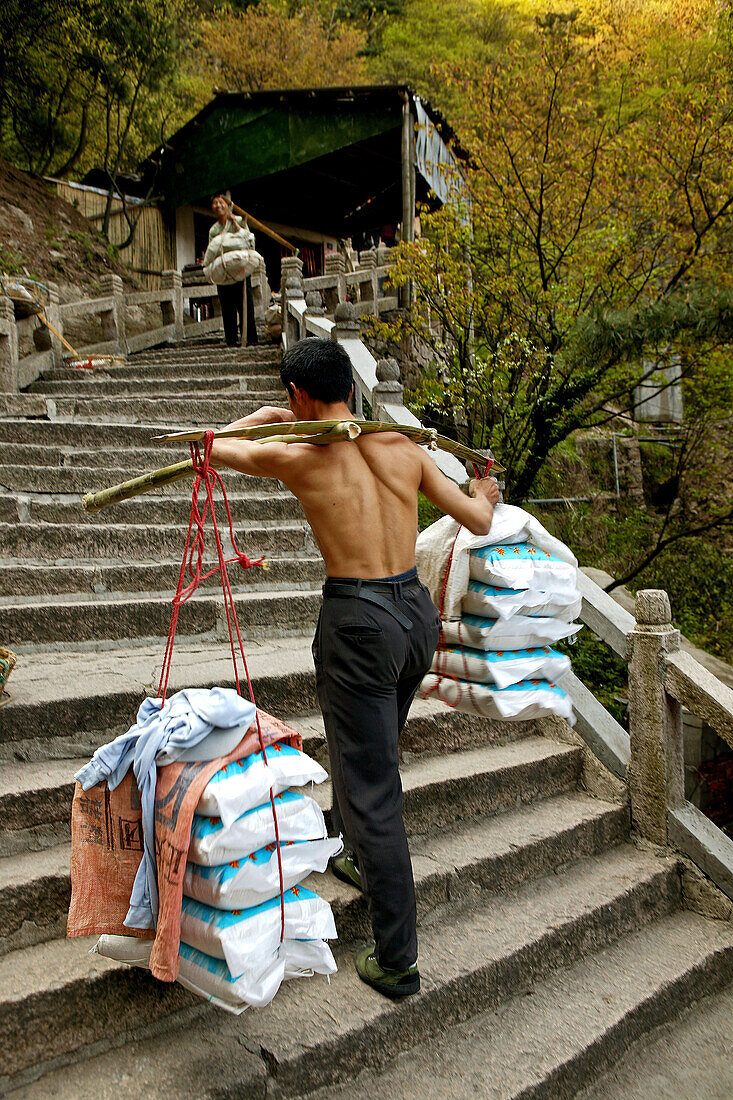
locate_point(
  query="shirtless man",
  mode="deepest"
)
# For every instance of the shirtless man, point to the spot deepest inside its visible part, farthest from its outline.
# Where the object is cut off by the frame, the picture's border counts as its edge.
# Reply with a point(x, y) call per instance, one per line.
point(377, 631)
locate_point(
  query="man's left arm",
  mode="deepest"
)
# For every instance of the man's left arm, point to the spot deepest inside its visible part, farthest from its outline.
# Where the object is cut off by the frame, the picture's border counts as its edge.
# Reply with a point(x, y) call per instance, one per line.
point(249, 457)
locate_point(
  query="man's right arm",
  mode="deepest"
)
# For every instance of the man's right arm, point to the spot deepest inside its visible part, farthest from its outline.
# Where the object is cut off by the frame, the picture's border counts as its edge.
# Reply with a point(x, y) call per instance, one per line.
point(475, 511)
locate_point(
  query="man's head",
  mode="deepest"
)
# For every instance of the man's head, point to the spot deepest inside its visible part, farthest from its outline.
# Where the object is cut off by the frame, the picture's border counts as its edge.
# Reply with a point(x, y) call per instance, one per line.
point(316, 370)
point(220, 205)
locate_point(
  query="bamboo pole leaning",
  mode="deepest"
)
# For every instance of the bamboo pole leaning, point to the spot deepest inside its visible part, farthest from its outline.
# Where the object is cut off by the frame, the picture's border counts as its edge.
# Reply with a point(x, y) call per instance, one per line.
point(318, 432)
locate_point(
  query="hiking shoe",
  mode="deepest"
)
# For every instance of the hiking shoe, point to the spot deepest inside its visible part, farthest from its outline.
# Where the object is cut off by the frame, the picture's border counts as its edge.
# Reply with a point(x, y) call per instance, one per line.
point(392, 983)
point(344, 867)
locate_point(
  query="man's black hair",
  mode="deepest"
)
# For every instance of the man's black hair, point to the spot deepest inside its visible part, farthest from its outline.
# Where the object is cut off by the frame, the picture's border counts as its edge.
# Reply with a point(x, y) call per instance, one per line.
point(320, 367)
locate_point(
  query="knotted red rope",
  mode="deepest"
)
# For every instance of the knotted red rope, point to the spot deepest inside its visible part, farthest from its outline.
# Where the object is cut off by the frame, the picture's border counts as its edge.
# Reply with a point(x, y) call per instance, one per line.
point(192, 562)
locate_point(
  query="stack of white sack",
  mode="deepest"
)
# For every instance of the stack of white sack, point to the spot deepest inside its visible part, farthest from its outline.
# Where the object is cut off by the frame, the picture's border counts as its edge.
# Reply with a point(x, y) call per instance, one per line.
point(238, 942)
point(505, 599)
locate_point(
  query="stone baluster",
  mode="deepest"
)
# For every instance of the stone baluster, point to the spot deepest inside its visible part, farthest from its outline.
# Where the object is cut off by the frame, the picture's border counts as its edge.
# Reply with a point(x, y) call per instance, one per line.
point(383, 260)
point(389, 389)
point(369, 292)
point(656, 769)
point(314, 304)
point(346, 326)
point(8, 347)
point(335, 266)
point(113, 320)
point(291, 289)
point(173, 310)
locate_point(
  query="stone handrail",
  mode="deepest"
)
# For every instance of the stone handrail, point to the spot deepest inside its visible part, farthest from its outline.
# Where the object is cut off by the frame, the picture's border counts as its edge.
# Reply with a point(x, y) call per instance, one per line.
point(376, 384)
point(650, 758)
point(111, 308)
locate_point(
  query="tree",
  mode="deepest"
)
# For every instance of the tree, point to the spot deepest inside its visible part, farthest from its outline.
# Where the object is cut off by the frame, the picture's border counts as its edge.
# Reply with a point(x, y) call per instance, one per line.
point(265, 47)
point(602, 189)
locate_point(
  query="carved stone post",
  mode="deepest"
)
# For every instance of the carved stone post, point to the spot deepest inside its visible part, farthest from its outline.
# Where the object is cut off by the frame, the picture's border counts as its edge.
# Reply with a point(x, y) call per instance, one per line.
point(53, 313)
point(656, 769)
point(173, 310)
point(389, 390)
point(336, 266)
point(346, 327)
point(383, 260)
point(369, 291)
point(8, 347)
point(314, 304)
point(291, 289)
point(113, 320)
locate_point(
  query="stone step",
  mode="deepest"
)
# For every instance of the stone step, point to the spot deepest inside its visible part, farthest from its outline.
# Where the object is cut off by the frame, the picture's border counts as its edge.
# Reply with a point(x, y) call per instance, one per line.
point(108, 437)
point(576, 1024)
point(556, 824)
point(72, 477)
point(137, 369)
point(35, 798)
point(83, 541)
point(267, 392)
point(474, 955)
point(118, 617)
point(176, 412)
point(246, 508)
point(65, 704)
point(85, 580)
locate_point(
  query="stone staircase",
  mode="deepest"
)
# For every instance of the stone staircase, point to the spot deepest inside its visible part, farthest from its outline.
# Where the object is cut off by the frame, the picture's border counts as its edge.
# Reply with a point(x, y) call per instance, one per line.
point(549, 940)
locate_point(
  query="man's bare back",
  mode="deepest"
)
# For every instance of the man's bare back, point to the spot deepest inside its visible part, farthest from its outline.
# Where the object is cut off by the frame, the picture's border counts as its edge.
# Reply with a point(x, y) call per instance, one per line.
point(360, 497)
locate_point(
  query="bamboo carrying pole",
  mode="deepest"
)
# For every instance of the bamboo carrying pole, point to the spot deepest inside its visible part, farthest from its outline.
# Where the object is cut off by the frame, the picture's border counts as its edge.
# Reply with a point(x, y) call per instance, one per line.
point(318, 432)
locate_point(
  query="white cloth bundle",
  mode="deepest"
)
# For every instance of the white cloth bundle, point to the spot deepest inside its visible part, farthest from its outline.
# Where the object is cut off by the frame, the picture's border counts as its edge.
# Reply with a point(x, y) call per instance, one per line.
point(212, 979)
point(298, 818)
point(503, 603)
point(519, 632)
point(522, 566)
point(435, 543)
point(503, 668)
point(232, 267)
point(247, 938)
point(252, 880)
point(517, 703)
point(244, 784)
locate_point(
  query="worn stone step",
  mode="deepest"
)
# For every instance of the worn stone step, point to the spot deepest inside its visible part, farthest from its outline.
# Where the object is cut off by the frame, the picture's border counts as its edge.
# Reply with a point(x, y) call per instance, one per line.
point(267, 392)
point(35, 799)
point(37, 579)
point(246, 508)
point(62, 619)
point(107, 436)
point(173, 412)
point(575, 1025)
point(474, 955)
point(70, 542)
point(136, 368)
point(484, 854)
point(72, 477)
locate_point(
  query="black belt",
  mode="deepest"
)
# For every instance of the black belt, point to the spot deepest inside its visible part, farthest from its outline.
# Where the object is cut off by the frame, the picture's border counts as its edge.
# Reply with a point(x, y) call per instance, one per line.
point(374, 592)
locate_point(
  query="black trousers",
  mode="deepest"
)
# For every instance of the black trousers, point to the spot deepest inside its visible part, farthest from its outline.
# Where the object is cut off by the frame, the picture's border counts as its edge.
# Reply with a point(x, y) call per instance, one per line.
point(232, 297)
point(368, 668)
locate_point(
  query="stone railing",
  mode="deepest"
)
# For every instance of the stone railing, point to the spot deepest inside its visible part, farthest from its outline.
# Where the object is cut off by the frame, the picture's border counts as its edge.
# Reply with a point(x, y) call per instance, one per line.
point(112, 315)
point(663, 679)
point(378, 393)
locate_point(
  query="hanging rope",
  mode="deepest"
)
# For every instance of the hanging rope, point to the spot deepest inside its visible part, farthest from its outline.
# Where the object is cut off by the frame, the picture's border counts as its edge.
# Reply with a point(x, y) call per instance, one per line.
point(192, 563)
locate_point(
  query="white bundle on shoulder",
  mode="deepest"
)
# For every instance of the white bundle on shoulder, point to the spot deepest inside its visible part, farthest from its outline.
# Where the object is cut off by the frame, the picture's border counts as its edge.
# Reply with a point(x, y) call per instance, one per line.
point(516, 703)
point(503, 603)
point(244, 784)
point(436, 544)
point(502, 669)
point(243, 883)
point(519, 632)
point(298, 818)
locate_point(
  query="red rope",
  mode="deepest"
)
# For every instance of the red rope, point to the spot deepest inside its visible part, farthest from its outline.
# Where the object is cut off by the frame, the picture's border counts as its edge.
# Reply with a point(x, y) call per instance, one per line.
point(192, 561)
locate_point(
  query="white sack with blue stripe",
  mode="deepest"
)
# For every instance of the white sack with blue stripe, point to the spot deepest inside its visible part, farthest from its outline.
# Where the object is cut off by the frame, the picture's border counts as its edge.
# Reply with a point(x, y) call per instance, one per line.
point(517, 703)
point(501, 669)
point(244, 784)
point(504, 603)
point(298, 817)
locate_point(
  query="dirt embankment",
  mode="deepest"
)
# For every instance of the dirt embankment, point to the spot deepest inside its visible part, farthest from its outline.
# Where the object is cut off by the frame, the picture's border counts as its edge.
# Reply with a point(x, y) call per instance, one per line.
point(44, 237)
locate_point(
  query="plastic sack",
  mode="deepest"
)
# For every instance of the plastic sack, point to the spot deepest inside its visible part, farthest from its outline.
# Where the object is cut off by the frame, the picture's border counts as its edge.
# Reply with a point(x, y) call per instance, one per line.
point(246, 937)
point(522, 566)
point(443, 542)
point(298, 818)
point(503, 603)
point(256, 878)
point(131, 950)
point(232, 267)
point(517, 703)
point(519, 632)
point(246, 783)
point(211, 978)
point(502, 668)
